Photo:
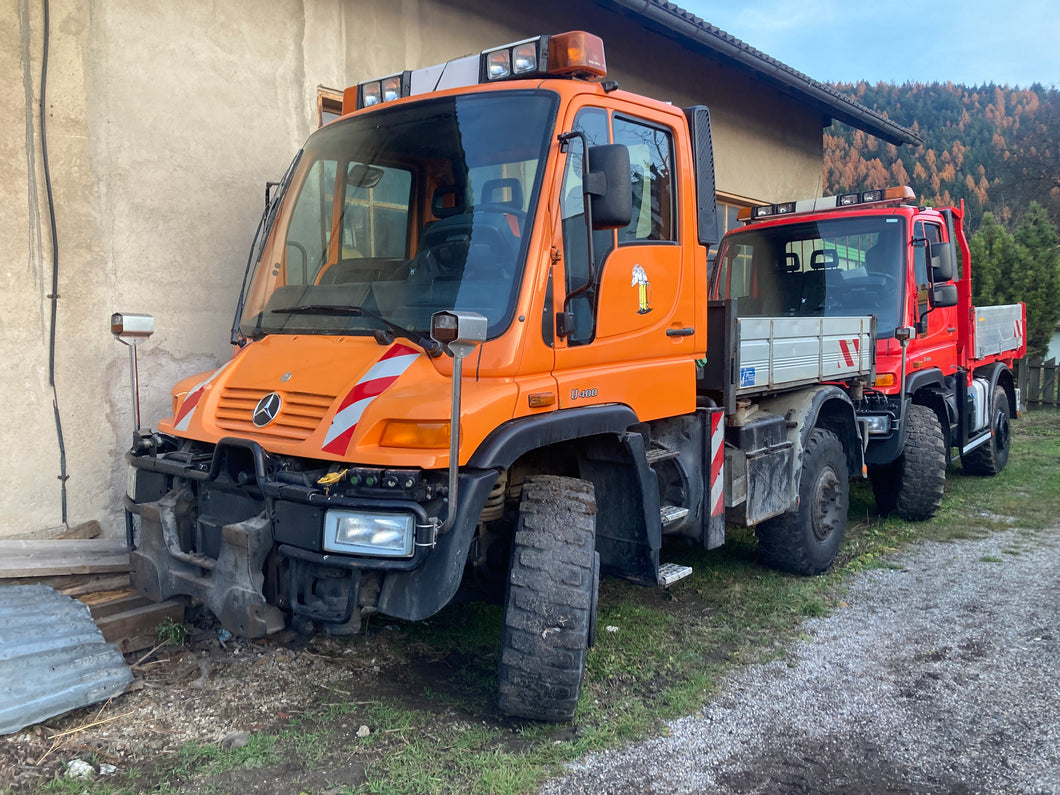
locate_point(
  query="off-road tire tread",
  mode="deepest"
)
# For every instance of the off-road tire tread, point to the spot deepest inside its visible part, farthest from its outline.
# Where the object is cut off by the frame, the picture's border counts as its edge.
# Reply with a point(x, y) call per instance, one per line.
point(548, 604)
point(922, 472)
point(787, 542)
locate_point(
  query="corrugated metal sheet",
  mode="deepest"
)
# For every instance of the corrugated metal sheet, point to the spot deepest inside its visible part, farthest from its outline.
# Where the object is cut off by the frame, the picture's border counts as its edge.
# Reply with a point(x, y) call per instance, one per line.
point(52, 657)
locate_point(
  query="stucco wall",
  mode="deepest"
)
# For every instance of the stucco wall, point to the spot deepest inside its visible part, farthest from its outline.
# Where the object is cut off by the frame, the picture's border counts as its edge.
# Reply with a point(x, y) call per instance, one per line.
point(163, 123)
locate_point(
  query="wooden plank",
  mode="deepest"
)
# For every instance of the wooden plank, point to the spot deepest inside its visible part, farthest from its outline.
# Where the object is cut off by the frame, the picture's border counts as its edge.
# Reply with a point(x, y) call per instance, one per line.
point(138, 622)
point(85, 530)
point(62, 556)
point(1034, 388)
point(119, 604)
point(73, 584)
point(86, 584)
point(1048, 396)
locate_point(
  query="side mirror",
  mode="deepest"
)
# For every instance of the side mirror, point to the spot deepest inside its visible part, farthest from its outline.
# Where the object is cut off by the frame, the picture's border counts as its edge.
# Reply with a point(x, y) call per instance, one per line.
point(941, 256)
point(943, 295)
point(609, 186)
point(362, 176)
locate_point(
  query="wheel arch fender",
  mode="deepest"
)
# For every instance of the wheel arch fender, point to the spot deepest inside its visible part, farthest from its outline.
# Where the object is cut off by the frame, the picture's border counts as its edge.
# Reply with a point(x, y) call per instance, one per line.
point(515, 438)
point(928, 388)
point(822, 406)
point(611, 455)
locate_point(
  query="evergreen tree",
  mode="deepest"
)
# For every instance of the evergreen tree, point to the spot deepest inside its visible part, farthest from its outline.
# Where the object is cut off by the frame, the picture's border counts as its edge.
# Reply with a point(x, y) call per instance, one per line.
point(1025, 266)
point(1040, 267)
point(995, 261)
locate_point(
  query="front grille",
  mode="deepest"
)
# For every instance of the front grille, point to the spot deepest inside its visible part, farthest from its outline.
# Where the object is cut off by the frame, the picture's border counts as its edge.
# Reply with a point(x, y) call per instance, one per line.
point(300, 413)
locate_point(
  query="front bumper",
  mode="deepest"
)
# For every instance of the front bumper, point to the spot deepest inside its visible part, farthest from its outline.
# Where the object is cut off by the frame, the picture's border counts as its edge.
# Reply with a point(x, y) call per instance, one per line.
point(247, 543)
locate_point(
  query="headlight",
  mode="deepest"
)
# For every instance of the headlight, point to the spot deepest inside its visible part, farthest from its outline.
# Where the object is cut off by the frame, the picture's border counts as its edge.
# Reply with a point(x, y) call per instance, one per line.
point(877, 423)
point(384, 534)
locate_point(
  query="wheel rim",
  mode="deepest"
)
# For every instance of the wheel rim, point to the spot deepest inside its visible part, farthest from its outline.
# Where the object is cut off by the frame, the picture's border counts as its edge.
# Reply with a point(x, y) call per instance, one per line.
point(1001, 431)
point(826, 507)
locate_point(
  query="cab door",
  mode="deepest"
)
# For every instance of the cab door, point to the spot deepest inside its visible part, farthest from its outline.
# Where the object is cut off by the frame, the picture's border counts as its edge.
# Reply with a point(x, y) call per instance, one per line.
point(936, 340)
point(631, 340)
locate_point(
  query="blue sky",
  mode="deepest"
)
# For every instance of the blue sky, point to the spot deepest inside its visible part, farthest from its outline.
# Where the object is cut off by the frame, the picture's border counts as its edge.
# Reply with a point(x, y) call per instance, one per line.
point(1014, 42)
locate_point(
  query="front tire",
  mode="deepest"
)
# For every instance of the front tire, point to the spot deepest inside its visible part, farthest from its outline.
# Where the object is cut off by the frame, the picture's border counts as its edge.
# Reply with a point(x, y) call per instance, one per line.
point(805, 540)
point(990, 458)
point(549, 606)
point(912, 486)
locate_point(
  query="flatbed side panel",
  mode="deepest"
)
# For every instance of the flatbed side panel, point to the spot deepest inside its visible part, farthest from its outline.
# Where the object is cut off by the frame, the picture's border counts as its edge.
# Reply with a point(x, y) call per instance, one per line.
point(997, 329)
point(783, 352)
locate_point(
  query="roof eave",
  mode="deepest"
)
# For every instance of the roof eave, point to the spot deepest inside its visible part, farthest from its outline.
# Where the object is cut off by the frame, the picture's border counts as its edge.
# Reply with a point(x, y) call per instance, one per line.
point(791, 81)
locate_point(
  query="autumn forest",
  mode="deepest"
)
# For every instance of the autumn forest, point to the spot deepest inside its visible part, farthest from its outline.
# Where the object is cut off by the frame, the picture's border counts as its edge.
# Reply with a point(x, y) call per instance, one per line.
point(995, 147)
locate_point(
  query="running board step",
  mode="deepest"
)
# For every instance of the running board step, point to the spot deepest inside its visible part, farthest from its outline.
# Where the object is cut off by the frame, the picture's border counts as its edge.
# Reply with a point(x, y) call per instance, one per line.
point(669, 573)
point(668, 514)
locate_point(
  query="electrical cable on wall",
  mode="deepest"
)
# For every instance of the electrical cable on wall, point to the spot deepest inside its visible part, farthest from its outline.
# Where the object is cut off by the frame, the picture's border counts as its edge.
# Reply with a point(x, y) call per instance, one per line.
point(54, 296)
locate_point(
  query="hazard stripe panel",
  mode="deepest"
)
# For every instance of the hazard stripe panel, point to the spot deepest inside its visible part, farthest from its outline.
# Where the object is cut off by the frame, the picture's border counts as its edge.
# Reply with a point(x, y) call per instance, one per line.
point(378, 378)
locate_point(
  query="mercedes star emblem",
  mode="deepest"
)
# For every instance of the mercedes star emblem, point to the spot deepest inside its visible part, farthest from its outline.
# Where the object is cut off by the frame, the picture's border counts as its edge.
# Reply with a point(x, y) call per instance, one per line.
point(267, 409)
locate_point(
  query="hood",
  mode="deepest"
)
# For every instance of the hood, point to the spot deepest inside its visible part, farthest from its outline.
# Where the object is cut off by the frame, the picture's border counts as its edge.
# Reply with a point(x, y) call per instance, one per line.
point(311, 396)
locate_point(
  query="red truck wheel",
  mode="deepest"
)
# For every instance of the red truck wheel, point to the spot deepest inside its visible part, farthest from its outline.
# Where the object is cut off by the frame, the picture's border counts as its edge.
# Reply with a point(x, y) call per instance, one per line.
point(991, 457)
point(912, 486)
point(550, 601)
point(805, 540)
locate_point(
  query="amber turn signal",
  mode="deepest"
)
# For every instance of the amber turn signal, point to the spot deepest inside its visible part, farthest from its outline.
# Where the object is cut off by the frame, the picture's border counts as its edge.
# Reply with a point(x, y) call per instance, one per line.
point(418, 435)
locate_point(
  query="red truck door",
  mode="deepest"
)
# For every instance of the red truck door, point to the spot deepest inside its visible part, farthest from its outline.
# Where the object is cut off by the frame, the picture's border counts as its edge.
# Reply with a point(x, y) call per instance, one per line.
point(935, 345)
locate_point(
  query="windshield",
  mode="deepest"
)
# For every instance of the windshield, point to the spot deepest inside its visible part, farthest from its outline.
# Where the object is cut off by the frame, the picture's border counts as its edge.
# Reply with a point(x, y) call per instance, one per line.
point(402, 212)
point(837, 268)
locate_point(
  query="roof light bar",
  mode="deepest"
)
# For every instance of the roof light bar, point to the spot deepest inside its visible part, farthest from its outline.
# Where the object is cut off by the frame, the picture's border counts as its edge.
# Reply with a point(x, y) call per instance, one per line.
point(575, 54)
point(869, 198)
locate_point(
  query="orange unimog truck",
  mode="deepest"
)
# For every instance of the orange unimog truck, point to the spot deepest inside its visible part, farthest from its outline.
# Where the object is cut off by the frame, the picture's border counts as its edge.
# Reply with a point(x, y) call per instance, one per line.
point(943, 366)
point(474, 356)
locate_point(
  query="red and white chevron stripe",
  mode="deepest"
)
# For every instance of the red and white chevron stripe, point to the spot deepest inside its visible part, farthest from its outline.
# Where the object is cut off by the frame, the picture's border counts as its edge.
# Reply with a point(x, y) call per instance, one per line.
point(380, 376)
point(849, 349)
point(717, 463)
point(182, 419)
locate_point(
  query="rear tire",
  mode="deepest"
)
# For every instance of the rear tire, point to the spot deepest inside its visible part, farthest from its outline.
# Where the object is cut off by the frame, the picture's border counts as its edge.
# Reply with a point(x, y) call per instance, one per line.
point(805, 540)
point(549, 606)
point(990, 458)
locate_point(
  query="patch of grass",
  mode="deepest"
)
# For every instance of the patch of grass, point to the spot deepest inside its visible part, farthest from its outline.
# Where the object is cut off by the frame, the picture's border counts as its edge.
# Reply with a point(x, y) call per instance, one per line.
point(211, 759)
point(991, 559)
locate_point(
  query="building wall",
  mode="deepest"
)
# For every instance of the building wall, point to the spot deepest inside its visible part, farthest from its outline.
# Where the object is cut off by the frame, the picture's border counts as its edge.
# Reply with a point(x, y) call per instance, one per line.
point(163, 123)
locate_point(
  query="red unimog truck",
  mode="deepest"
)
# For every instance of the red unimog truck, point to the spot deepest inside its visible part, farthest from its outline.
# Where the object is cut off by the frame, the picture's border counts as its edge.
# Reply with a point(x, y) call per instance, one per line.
point(943, 366)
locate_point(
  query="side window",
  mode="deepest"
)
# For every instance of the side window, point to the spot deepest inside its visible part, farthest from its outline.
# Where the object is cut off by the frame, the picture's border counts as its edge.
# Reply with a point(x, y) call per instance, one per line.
point(375, 218)
point(651, 164)
point(932, 233)
point(309, 233)
point(592, 122)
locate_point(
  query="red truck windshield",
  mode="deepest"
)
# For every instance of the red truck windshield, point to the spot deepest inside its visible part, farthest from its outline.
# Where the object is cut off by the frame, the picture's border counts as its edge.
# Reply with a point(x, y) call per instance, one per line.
point(836, 268)
point(404, 211)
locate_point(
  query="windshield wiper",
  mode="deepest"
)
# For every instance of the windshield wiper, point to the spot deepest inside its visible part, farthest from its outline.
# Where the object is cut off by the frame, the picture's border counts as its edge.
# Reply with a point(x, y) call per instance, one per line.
point(432, 347)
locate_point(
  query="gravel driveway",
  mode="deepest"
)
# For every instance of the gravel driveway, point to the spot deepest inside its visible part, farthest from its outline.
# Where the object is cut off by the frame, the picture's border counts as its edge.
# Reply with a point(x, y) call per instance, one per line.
point(940, 676)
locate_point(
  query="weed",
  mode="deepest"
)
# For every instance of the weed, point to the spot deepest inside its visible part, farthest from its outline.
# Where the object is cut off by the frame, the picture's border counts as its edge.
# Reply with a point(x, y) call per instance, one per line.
point(171, 632)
